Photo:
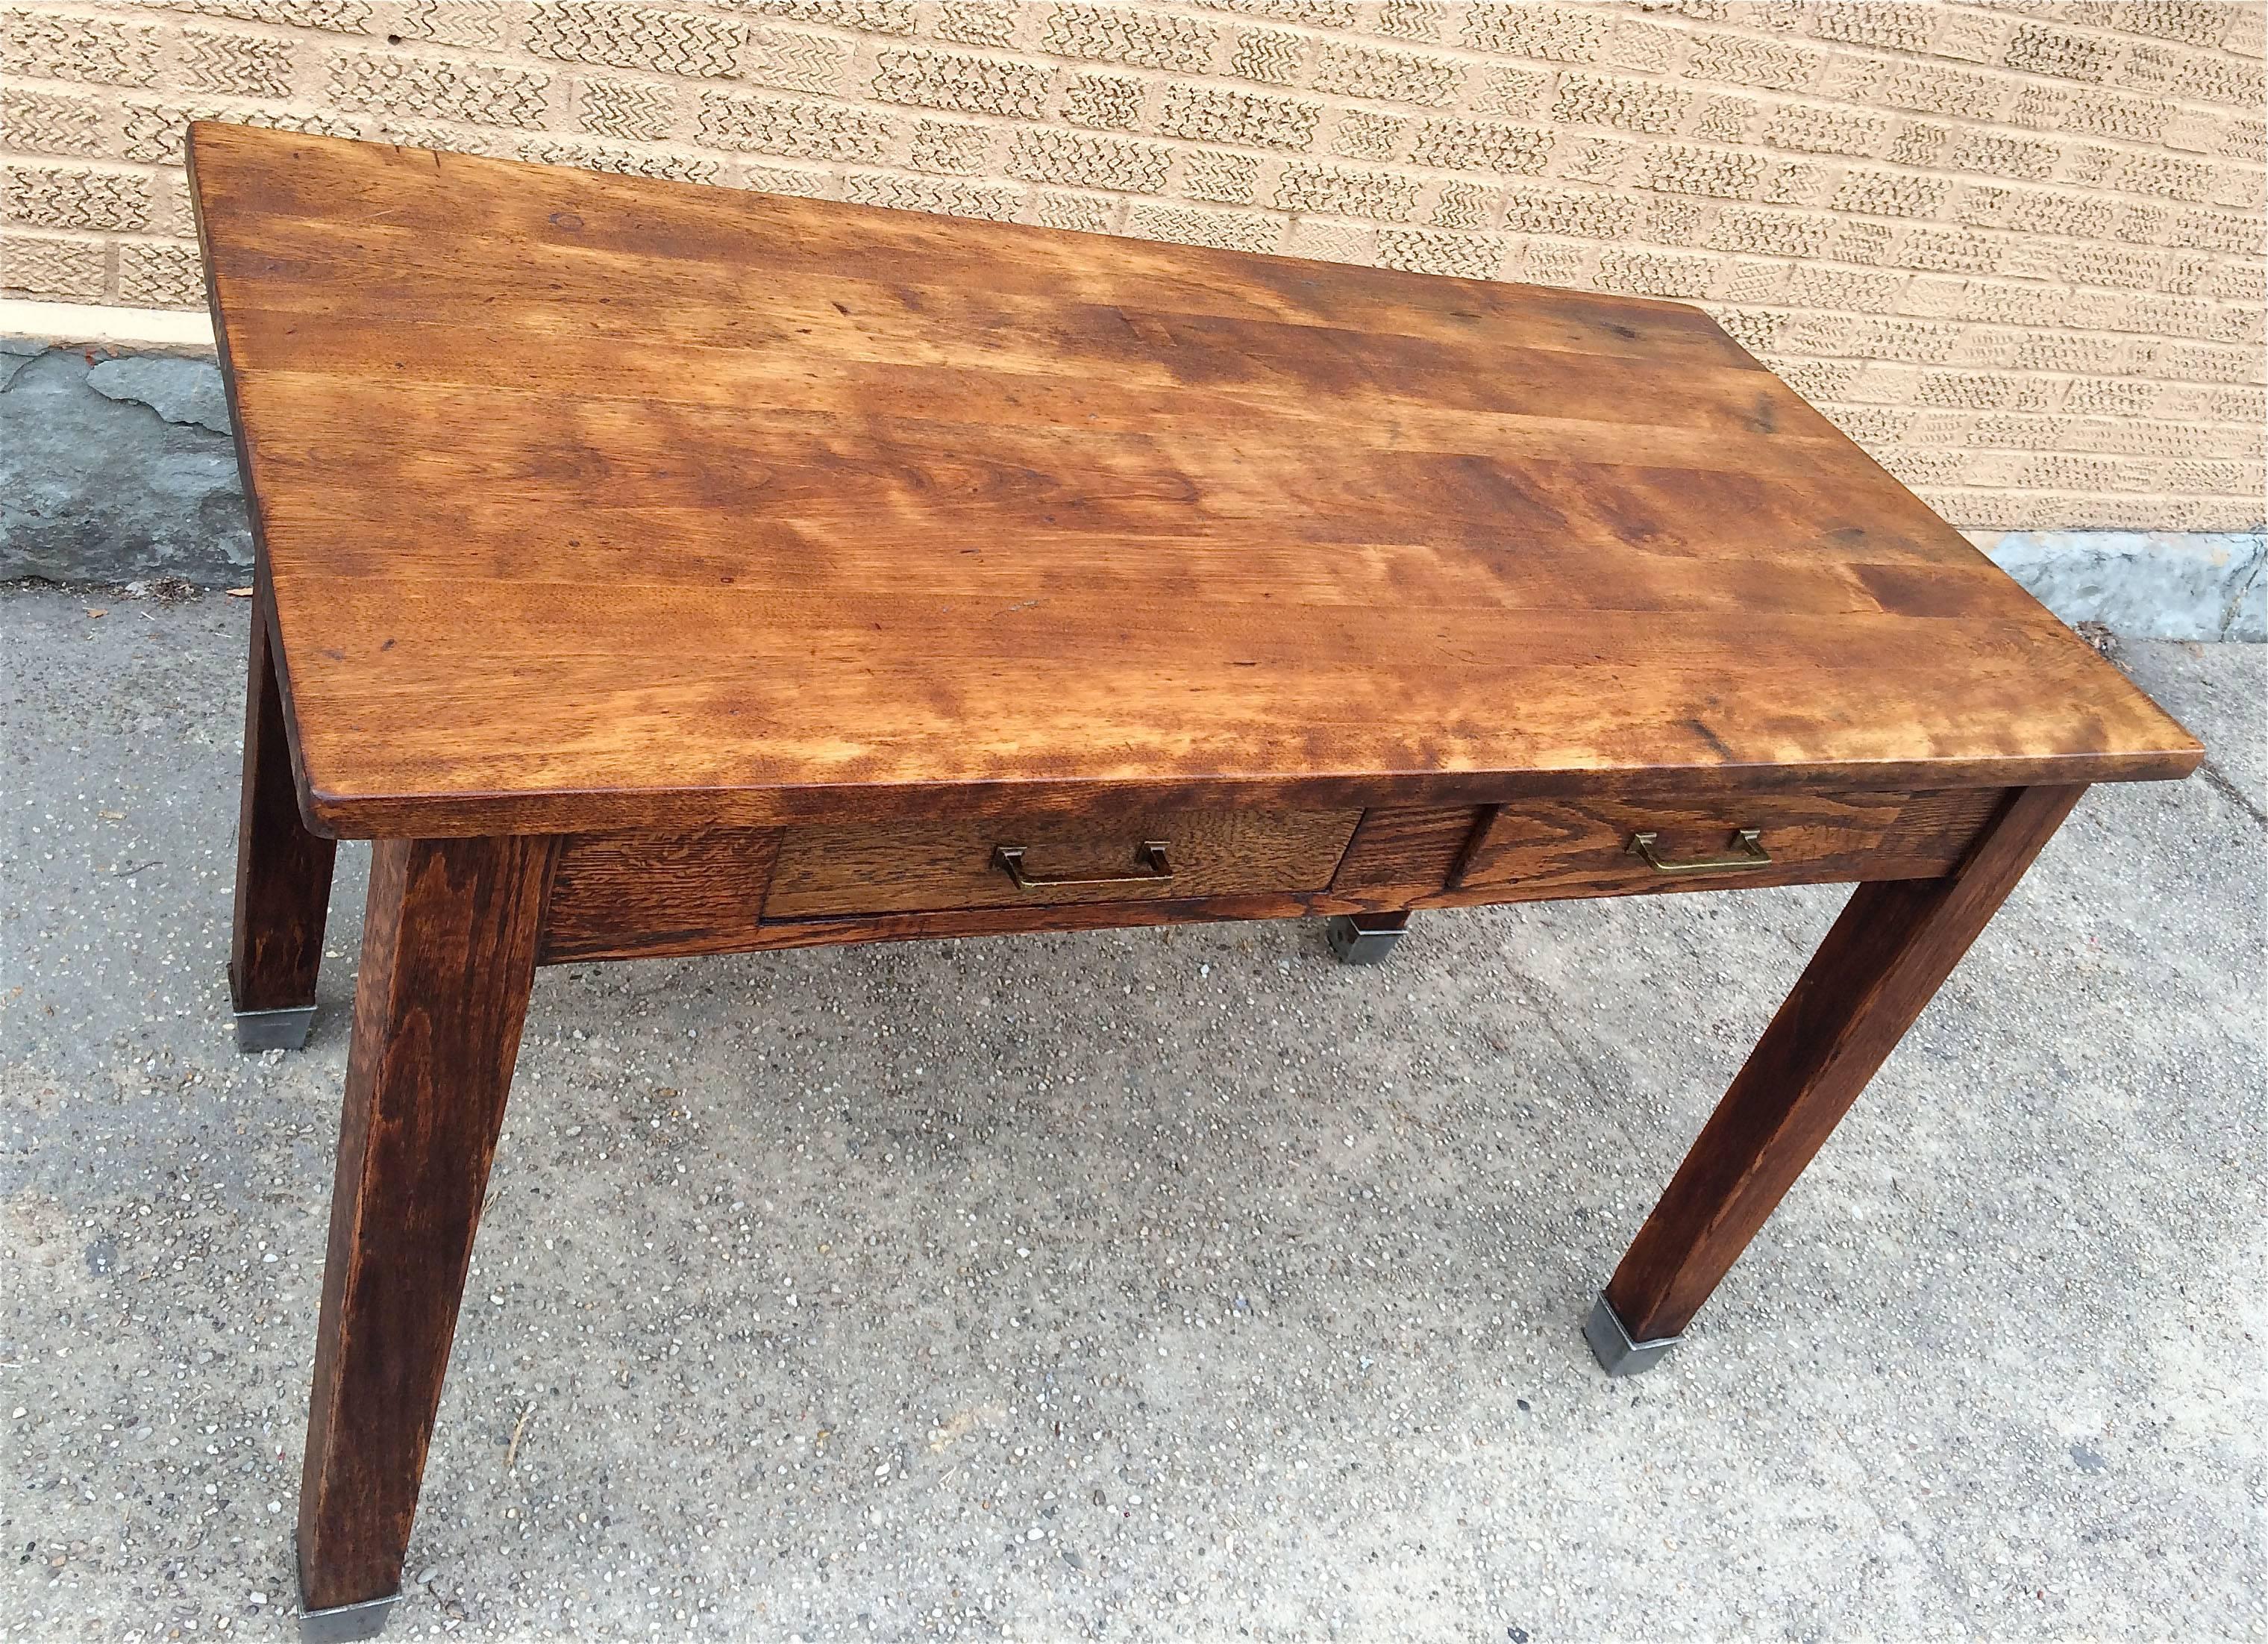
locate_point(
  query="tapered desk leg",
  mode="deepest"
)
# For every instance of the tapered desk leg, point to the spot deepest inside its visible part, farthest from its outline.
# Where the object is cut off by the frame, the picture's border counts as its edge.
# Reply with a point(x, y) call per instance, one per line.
point(1884, 958)
point(282, 876)
point(448, 957)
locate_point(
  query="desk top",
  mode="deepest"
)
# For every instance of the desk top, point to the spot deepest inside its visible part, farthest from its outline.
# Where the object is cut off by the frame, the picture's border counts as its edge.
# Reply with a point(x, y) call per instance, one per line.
point(590, 501)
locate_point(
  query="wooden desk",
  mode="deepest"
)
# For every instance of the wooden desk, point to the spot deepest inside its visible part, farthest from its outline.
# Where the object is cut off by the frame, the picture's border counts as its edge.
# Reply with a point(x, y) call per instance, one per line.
point(651, 569)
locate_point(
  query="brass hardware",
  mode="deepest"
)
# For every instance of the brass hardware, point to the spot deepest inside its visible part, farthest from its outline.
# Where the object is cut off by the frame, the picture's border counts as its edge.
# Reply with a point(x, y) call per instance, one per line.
point(1748, 841)
point(1009, 858)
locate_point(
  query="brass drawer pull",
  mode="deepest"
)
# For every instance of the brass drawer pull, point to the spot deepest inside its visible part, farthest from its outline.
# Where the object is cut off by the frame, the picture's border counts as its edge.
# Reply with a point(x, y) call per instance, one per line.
point(1748, 842)
point(1009, 858)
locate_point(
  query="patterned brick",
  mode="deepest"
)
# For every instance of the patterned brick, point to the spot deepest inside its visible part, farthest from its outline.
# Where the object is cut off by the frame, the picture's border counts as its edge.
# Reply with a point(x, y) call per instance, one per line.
point(1682, 168)
point(968, 85)
point(1435, 251)
point(1933, 89)
point(1560, 212)
point(1415, 19)
point(1956, 250)
point(442, 90)
point(1725, 119)
point(1331, 242)
point(1504, 88)
point(2002, 156)
point(54, 266)
point(1066, 207)
point(1645, 273)
point(475, 25)
point(1273, 56)
point(1770, 233)
point(790, 180)
point(1345, 191)
point(2108, 114)
point(1893, 25)
point(1314, 13)
point(1744, 60)
point(75, 196)
point(2030, 230)
point(951, 147)
point(1227, 178)
point(626, 108)
point(868, 17)
point(1854, 290)
point(2040, 107)
point(104, 51)
point(1195, 225)
point(2042, 48)
point(1627, 105)
point(616, 158)
point(1466, 205)
point(160, 274)
point(1810, 128)
point(2219, 230)
point(1146, 39)
point(1368, 134)
point(1489, 145)
point(1343, 68)
point(1554, 262)
point(236, 65)
point(2133, 267)
point(1552, 33)
point(158, 132)
point(1890, 194)
point(2166, 176)
point(977, 22)
point(630, 36)
point(1216, 113)
point(1672, 221)
point(793, 127)
point(1089, 160)
point(989, 201)
point(1109, 102)
point(791, 60)
point(54, 122)
point(2057, 211)
point(336, 17)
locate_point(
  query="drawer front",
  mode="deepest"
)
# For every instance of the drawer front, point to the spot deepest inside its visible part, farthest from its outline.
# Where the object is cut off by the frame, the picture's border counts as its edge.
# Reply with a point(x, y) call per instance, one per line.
point(907, 867)
point(1574, 846)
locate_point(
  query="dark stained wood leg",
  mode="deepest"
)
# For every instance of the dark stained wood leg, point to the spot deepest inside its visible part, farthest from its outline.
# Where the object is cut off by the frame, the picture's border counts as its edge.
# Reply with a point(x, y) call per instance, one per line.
point(1895, 942)
point(448, 957)
point(1364, 939)
point(282, 876)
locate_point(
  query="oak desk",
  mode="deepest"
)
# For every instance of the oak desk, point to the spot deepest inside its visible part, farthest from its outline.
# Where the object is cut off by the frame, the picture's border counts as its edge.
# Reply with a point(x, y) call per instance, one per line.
point(651, 569)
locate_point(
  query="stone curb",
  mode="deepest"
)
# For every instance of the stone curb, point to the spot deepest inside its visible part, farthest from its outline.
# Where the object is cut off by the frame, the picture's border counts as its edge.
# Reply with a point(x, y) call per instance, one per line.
point(117, 466)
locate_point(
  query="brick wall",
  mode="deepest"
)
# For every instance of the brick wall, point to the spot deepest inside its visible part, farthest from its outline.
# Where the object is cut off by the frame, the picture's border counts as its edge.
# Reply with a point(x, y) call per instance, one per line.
point(2015, 249)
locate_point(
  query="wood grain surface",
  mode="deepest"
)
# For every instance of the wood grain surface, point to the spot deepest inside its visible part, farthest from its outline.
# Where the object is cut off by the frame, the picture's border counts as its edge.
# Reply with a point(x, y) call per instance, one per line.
point(911, 868)
point(448, 954)
point(283, 870)
point(590, 501)
point(1576, 845)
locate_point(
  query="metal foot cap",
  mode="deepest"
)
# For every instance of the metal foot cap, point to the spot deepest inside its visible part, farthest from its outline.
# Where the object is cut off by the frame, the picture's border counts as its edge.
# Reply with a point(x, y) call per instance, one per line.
point(346, 1622)
point(274, 1030)
point(1610, 1342)
point(1357, 946)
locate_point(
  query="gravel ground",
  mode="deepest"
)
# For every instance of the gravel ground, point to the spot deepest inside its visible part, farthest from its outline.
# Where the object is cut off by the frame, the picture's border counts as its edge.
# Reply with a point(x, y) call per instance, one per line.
point(1147, 1284)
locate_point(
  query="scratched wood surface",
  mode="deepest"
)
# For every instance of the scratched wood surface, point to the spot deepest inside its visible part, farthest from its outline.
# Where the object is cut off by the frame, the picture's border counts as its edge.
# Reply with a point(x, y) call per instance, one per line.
point(587, 501)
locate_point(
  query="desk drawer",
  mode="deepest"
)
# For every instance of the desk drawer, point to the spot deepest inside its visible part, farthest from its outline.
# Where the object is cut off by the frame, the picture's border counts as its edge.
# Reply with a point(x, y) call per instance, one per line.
point(1576, 846)
point(907, 867)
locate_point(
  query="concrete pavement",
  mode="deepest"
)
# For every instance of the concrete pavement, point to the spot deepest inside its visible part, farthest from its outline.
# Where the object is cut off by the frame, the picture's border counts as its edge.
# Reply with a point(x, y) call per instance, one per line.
point(1147, 1284)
